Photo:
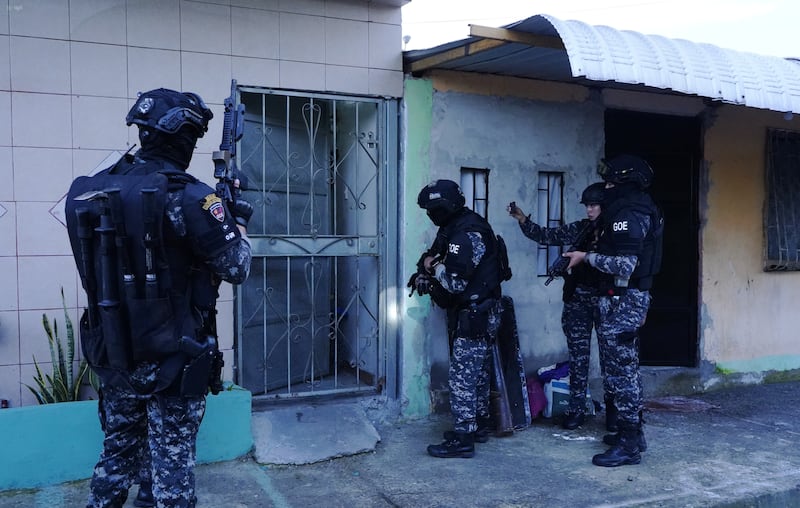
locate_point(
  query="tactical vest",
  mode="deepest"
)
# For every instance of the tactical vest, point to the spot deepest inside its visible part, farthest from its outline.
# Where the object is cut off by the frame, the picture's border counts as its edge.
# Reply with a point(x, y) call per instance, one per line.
point(486, 279)
point(142, 289)
point(649, 258)
point(583, 274)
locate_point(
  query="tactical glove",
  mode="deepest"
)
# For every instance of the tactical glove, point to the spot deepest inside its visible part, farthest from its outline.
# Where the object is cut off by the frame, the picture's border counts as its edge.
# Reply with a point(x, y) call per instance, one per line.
point(242, 211)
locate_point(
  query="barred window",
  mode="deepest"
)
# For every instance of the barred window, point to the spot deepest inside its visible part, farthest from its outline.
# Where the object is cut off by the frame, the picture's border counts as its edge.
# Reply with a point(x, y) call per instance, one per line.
point(550, 213)
point(475, 186)
point(782, 213)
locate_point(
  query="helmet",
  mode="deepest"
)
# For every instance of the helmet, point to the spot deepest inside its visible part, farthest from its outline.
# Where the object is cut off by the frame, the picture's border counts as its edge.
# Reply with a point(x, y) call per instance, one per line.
point(167, 111)
point(441, 199)
point(626, 169)
point(593, 194)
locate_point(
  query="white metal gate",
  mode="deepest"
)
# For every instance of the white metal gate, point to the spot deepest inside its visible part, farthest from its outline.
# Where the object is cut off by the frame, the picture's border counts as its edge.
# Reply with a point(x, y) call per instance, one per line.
point(310, 317)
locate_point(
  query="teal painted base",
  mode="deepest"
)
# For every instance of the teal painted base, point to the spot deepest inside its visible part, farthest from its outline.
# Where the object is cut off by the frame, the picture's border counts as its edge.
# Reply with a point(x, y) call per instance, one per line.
point(55, 443)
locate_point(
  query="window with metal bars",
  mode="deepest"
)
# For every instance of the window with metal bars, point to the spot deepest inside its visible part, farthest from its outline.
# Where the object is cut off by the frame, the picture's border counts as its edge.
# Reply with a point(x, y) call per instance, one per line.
point(550, 213)
point(782, 213)
point(475, 186)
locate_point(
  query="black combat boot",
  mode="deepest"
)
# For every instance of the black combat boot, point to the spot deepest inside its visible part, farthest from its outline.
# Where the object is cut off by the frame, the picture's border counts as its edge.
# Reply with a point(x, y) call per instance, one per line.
point(613, 439)
point(144, 498)
point(611, 414)
point(459, 444)
point(623, 453)
point(573, 420)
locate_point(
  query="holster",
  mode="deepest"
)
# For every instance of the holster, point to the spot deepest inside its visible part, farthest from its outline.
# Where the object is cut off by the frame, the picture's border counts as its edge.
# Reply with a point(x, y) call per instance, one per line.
point(474, 320)
point(204, 370)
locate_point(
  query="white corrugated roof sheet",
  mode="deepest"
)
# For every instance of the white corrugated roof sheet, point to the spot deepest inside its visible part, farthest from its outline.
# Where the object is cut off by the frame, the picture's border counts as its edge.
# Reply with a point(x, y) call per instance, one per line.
point(575, 51)
point(602, 53)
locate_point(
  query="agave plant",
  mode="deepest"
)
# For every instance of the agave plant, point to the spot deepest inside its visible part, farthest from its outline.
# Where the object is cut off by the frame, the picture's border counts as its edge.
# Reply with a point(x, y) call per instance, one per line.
point(62, 385)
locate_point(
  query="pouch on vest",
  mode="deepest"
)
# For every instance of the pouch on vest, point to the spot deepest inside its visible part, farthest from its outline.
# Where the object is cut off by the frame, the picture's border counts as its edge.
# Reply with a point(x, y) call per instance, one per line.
point(115, 227)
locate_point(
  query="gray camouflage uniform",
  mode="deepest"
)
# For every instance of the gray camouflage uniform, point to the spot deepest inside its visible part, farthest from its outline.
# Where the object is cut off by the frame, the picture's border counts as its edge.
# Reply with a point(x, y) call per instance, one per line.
point(579, 313)
point(165, 423)
point(471, 359)
point(620, 319)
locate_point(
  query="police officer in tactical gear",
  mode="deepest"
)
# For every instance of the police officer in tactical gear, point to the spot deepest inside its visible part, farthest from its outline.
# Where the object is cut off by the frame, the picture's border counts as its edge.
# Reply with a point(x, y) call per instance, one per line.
point(463, 276)
point(627, 256)
point(152, 244)
point(579, 314)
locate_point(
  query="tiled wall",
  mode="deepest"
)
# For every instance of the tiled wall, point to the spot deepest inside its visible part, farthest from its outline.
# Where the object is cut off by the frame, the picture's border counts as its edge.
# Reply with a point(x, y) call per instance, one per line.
point(69, 71)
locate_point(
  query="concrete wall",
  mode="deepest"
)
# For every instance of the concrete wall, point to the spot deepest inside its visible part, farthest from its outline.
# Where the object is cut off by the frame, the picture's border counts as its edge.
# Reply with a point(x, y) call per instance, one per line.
point(69, 72)
point(516, 128)
point(748, 325)
point(749, 319)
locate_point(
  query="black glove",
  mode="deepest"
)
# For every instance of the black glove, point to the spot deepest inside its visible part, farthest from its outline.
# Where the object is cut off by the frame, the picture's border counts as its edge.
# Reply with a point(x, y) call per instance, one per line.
point(242, 211)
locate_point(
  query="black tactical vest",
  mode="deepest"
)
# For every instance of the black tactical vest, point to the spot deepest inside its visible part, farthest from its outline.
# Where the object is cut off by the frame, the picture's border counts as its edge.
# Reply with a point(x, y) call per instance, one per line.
point(136, 271)
point(649, 258)
point(485, 281)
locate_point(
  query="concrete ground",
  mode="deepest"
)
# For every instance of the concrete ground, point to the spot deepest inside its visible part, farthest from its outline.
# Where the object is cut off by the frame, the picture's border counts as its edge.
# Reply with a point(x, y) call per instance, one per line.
point(738, 447)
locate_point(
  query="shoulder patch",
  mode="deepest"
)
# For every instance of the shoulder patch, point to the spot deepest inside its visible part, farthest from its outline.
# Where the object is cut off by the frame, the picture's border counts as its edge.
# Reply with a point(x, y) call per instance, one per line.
point(213, 204)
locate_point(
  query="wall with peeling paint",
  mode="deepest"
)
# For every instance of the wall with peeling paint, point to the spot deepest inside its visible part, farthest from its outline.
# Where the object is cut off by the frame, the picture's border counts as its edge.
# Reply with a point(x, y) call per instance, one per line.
point(749, 318)
point(496, 126)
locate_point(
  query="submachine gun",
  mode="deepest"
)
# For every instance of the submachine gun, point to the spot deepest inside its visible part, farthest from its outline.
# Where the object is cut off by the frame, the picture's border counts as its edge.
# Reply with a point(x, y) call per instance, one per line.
point(559, 266)
point(226, 172)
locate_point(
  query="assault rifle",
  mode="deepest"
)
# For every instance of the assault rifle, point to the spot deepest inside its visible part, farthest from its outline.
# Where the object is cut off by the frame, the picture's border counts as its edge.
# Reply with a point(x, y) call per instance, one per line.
point(225, 169)
point(559, 266)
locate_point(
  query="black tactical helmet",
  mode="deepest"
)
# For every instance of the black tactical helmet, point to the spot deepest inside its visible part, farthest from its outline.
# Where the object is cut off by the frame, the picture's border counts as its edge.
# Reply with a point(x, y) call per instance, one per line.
point(593, 194)
point(168, 110)
point(626, 169)
point(441, 199)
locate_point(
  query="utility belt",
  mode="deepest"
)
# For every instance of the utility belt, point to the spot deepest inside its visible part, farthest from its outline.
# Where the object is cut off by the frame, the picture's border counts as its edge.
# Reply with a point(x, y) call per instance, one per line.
point(473, 319)
point(617, 286)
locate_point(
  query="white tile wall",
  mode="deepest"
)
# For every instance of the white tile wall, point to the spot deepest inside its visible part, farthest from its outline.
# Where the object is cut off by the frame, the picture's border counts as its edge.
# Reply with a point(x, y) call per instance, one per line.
point(8, 268)
point(44, 120)
point(347, 10)
point(385, 43)
point(40, 65)
point(99, 69)
point(5, 63)
point(9, 339)
point(5, 119)
point(4, 17)
point(41, 234)
point(205, 27)
point(271, 5)
point(256, 33)
point(9, 384)
point(256, 71)
point(302, 38)
point(299, 75)
point(316, 7)
point(41, 277)
point(69, 70)
point(351, 79)
point(99, 122)
point(6, 175)
point(154, 24)
point(153, 68)
point(40, 18)
point(45, 173)
point(346, 42)
point(97, 21)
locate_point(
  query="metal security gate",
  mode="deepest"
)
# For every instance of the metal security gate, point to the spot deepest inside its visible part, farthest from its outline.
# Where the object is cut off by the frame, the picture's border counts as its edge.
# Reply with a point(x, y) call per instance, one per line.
point(310, 317)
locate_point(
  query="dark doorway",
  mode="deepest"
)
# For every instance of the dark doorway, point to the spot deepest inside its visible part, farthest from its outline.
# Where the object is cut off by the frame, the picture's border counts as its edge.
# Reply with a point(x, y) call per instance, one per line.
point(672, 146)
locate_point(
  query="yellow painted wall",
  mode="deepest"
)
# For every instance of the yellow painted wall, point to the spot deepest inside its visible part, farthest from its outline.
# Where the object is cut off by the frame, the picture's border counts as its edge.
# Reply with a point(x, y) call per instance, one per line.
point(749, 318)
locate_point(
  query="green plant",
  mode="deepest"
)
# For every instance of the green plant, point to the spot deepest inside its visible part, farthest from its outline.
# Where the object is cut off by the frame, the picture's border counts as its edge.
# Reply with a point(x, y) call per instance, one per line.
point(62, 385)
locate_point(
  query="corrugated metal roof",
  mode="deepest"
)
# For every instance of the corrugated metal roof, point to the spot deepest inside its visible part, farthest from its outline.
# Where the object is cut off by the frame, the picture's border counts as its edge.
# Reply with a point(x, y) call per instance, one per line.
point(544, 47)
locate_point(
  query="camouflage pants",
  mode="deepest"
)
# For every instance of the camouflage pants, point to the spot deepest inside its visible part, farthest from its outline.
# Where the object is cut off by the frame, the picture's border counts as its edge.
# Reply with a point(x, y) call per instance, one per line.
point(167, 427)
point(578, 317)
point(470, 365)
point(620, 320)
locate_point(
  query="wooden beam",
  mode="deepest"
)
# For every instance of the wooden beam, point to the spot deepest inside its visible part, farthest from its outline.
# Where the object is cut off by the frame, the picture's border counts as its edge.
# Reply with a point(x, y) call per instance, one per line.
point(506, 35)
point(455, 53)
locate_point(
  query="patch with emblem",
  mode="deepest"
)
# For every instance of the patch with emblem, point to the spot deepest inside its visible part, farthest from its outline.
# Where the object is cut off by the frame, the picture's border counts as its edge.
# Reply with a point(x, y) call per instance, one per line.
point(213, 204)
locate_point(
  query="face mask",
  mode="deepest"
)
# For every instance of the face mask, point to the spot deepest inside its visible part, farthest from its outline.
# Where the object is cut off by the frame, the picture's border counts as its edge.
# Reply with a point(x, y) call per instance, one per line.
point(439, 216)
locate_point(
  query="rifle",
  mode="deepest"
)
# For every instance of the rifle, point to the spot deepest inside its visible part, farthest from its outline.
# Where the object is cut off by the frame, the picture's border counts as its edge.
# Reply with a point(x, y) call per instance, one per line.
point(501, 408)
point(559, 266)
point(225, 169)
